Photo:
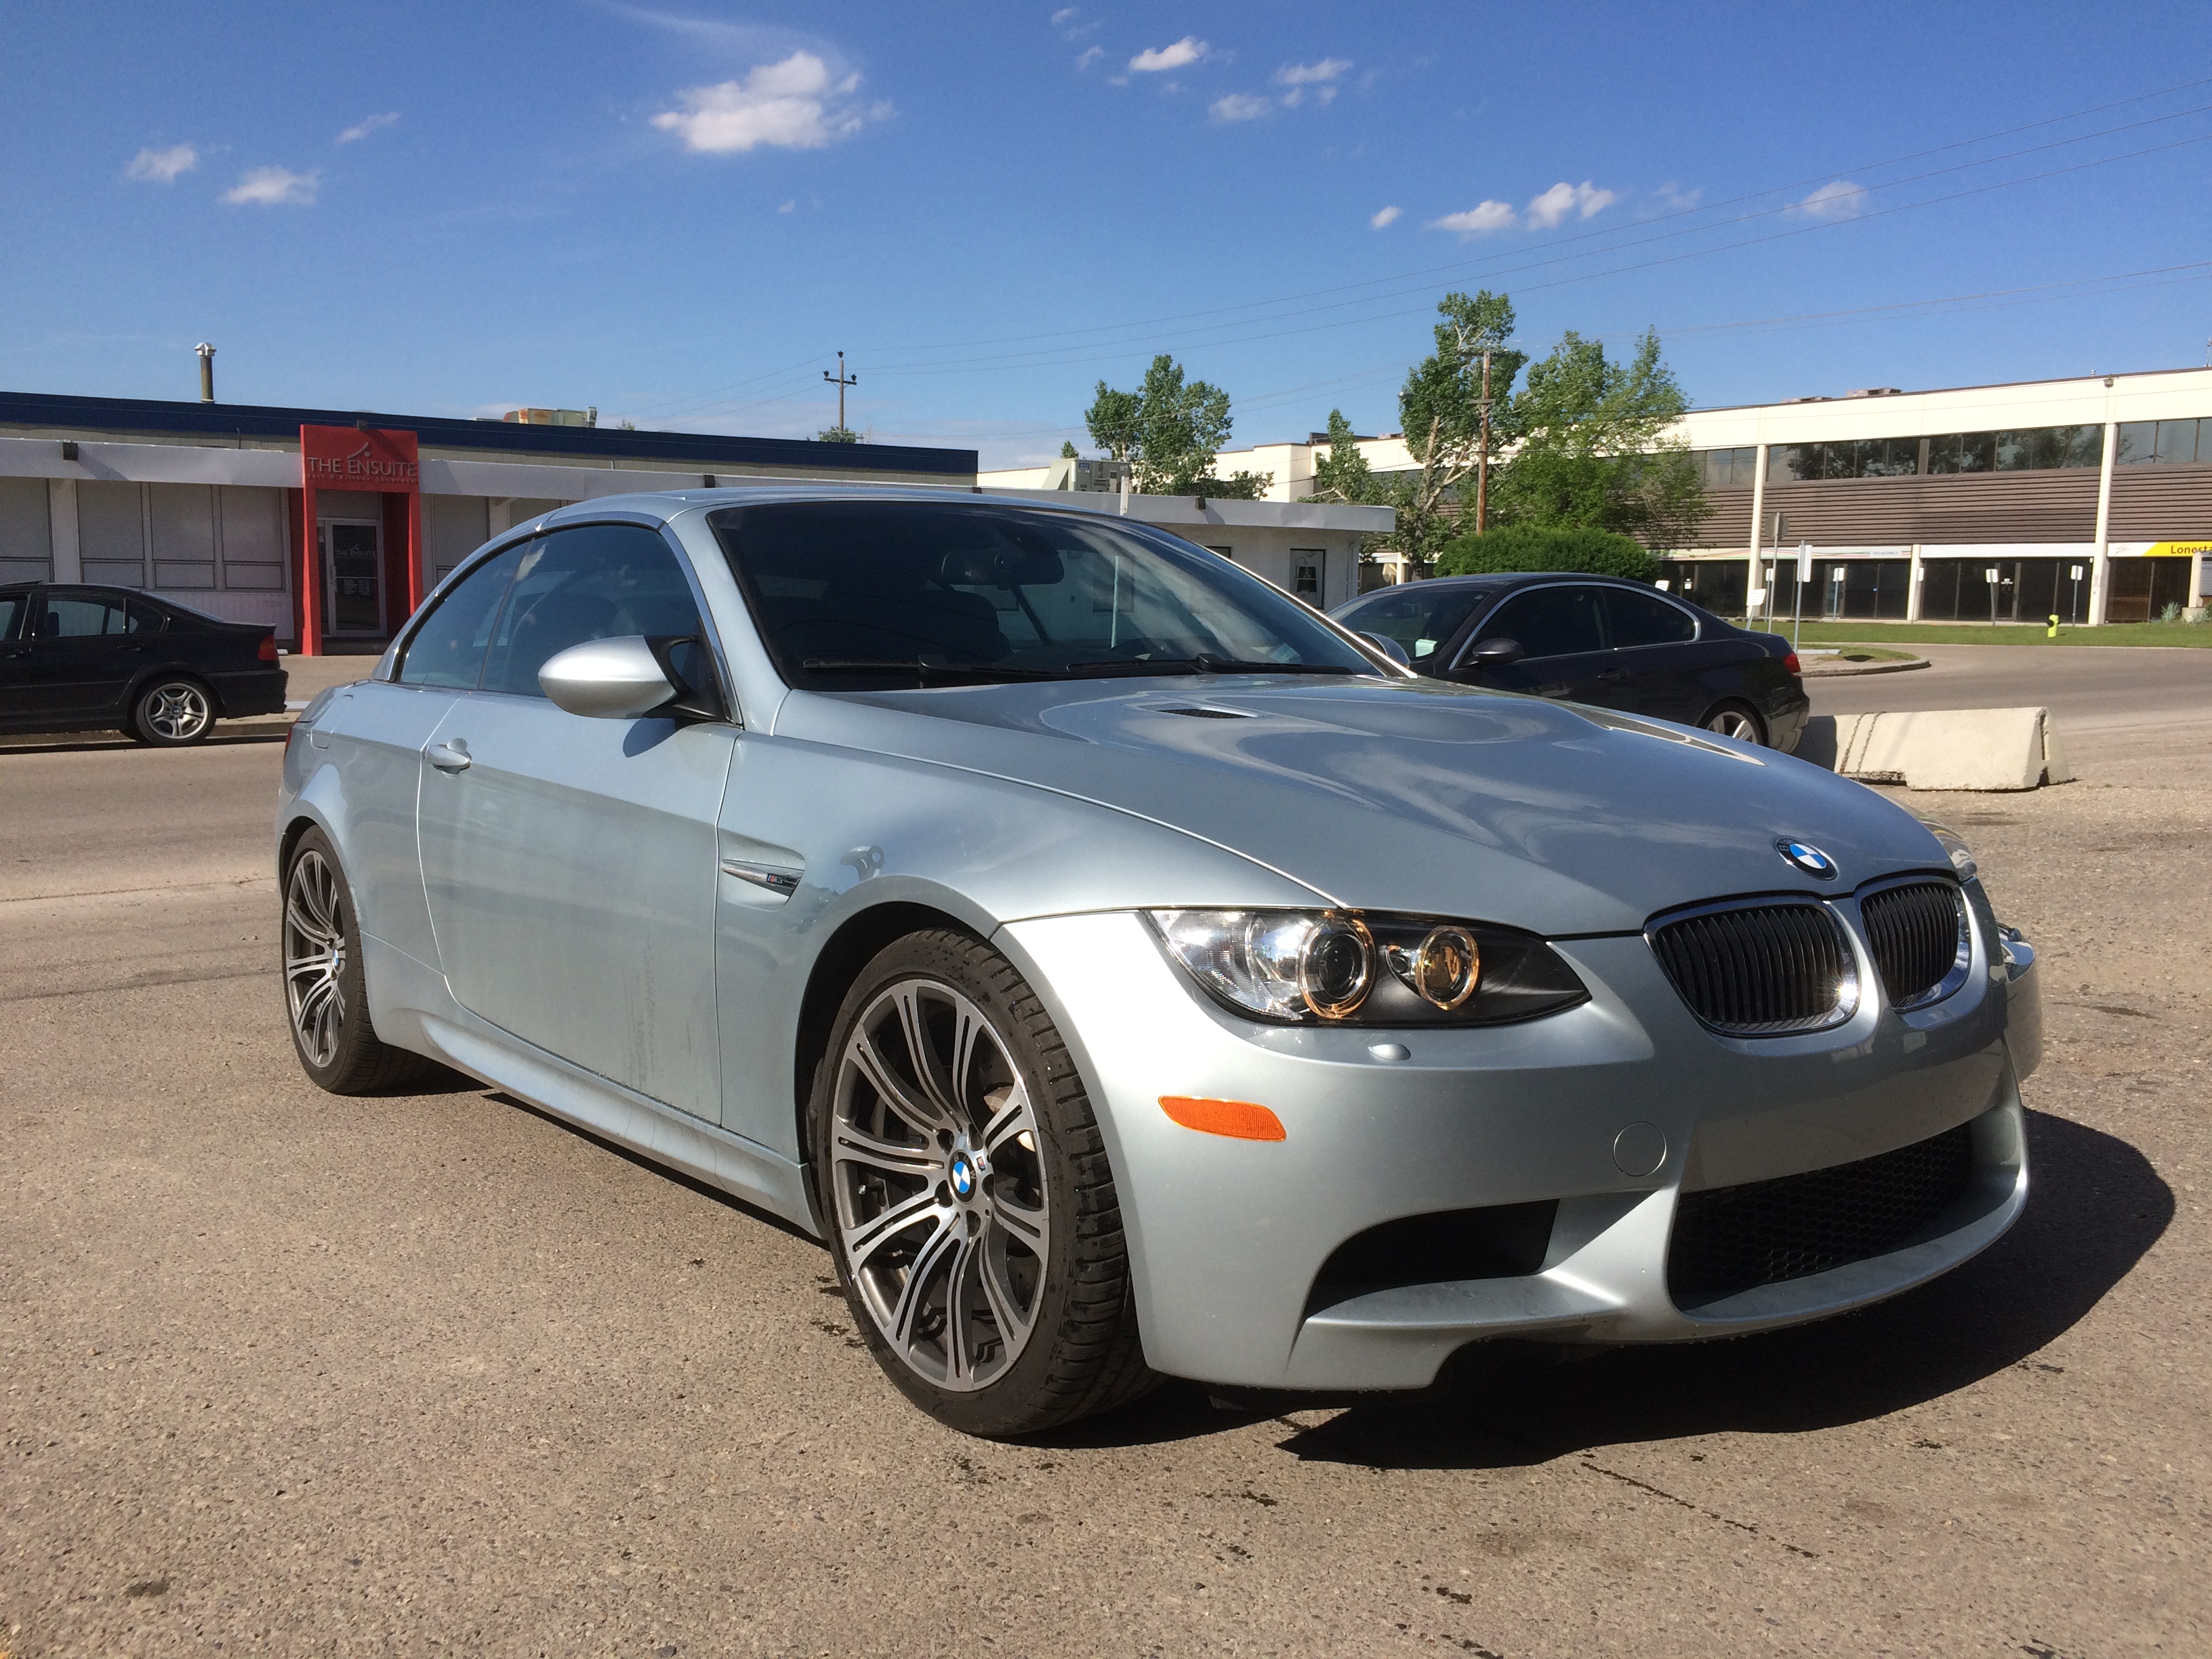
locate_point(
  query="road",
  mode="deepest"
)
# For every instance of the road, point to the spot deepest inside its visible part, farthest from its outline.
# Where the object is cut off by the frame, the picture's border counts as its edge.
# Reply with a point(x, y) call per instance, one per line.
point(287, 1374)
point(2126, 713)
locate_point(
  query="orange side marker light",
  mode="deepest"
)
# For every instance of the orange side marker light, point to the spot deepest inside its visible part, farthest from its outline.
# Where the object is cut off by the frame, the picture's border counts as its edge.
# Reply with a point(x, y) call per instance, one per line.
point(1240, 1120)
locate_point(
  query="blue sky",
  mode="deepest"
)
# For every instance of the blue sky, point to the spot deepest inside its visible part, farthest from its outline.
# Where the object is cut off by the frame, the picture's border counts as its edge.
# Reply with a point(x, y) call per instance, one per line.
point(679, 213)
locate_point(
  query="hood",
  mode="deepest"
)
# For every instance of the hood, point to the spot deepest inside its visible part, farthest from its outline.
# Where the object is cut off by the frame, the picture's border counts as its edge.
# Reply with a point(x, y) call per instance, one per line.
point(1416, 796)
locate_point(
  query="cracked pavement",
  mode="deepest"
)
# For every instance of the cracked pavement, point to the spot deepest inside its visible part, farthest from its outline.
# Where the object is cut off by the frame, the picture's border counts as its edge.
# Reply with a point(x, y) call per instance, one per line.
point(286, 1374)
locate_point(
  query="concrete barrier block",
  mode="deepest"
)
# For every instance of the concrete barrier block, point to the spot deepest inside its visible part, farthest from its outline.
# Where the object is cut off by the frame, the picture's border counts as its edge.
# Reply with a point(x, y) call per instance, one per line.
point(1993, 749)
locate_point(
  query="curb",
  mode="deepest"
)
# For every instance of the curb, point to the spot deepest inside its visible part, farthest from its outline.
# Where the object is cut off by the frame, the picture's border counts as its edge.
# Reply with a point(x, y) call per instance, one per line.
point(1845, 670)
point(31, 743)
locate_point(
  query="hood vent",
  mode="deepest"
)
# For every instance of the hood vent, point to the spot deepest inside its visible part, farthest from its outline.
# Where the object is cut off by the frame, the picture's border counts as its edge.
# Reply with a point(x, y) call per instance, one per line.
point(1210, 713)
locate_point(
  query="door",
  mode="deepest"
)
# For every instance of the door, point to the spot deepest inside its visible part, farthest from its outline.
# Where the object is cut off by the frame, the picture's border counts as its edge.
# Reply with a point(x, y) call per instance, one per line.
point(1655, 657)
point(15, 652)
point(353, 554)
point(569, 863)
point(1560, 629)
point(85, 646)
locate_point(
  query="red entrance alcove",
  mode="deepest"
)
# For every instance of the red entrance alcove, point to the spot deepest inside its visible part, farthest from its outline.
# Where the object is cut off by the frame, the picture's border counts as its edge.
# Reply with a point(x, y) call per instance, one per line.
point(359, 458)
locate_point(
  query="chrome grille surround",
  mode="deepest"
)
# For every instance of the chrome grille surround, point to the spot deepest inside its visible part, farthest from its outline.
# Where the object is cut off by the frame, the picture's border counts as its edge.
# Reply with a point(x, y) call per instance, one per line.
point(1779, 965)
point(1920, 939)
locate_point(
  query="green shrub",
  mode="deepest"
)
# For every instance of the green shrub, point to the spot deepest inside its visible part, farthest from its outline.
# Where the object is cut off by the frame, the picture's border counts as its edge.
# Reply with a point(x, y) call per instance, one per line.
point(1528, 547)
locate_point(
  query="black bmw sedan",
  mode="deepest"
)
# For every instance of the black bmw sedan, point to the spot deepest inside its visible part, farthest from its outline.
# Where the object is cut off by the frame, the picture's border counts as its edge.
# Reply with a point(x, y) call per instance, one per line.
point(75, 658)
point(1596, 640)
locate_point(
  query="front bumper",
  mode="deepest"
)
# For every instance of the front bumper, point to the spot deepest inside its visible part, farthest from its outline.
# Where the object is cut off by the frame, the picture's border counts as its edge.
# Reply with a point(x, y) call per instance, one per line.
point(1227, 1237)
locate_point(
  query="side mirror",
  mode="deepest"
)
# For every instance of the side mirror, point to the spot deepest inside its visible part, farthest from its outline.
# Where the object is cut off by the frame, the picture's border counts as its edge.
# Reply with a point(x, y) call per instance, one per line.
point(1389, 647)
point(1495, 653)
point(616, 680)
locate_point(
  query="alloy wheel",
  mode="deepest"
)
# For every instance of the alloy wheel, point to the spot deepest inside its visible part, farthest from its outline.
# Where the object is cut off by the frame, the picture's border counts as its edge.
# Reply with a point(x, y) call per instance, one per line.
point(1734, 723)
point(176, 713)
point(940, 1198)
point(314, 958)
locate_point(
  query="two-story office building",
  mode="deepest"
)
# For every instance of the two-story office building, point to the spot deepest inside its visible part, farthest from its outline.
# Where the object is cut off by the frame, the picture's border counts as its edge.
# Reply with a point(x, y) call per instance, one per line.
point(2087, 498)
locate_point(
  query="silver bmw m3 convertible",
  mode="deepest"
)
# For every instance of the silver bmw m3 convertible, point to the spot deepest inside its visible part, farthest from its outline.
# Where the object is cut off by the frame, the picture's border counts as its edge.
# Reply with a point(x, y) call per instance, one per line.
point(1129, 973)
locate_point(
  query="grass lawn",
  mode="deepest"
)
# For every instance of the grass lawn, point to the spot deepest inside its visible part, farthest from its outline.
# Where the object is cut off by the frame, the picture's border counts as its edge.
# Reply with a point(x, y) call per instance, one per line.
point(1911, 634)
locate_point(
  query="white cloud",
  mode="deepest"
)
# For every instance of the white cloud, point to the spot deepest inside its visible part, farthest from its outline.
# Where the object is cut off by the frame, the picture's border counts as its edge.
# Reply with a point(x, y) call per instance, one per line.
point(1065, 20)
point(1839, 199)
point(1090, 55)
point(1673, 197)
point(1238, 106)
point(161, 166)
point(273, 187)
point(1478, 221)
point(1154, 59)
point(789, 207)
point(360, 130)
point(1383, 217)
point(1310, 75)
point(1563, 198)
point(1066, 14)
point(791, 105)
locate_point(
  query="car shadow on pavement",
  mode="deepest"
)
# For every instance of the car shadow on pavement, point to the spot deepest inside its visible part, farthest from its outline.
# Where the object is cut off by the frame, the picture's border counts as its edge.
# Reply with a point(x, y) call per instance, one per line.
point(2095, 1205)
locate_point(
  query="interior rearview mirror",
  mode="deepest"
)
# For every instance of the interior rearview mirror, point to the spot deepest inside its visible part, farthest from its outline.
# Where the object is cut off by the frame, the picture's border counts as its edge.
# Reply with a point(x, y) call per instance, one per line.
point(1495, 653)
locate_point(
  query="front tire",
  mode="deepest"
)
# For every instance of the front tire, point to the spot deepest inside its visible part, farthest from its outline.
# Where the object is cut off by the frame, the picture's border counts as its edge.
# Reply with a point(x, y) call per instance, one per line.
point(172, 711)
point(964, 1189)
point(325, 991)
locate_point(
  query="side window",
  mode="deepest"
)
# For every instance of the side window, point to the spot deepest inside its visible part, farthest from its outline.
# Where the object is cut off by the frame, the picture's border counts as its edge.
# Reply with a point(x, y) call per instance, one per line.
point(448, 649)
point(595, 583)
point(79, 616)
point(141, 618)
point(12, 607)
point(1646, 619)
point(1550, 622)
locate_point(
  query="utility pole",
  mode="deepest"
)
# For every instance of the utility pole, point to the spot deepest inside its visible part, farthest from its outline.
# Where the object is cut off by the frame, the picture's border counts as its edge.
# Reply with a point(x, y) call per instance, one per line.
point(207, 371)
point(1482, 458)
point(841, 381)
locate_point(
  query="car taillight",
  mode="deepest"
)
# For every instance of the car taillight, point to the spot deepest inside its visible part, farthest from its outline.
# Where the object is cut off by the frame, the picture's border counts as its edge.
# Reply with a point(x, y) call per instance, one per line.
point(268, 651)
point(1789, 662)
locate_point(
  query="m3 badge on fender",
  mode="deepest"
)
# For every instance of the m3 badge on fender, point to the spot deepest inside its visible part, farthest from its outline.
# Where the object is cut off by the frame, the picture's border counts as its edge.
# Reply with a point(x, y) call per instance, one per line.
point(1810, 859)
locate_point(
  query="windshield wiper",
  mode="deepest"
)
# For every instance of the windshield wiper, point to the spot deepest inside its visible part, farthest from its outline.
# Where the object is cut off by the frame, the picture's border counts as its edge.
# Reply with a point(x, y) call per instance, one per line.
point(1204, 663)
point(942, 670)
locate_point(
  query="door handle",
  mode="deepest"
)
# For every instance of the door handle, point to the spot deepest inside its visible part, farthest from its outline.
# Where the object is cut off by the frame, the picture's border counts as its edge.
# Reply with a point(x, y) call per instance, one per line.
point(1612, 676)
point(451, 756)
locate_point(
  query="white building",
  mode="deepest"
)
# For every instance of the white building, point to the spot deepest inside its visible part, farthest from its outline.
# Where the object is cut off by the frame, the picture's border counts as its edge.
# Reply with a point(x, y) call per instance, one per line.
point(2089, 499)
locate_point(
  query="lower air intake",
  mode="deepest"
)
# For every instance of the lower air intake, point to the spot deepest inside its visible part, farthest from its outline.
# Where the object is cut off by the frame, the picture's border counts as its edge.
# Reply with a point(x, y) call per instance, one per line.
point(1730, 1239)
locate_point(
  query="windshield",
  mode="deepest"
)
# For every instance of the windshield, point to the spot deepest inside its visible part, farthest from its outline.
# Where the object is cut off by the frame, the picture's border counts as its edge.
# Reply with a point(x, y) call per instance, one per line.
point(855, 595)
point(1422, 616)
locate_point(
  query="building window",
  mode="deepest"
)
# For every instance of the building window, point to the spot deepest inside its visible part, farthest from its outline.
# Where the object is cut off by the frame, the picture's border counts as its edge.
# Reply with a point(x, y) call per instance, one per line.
point(2025, 449)
point(1726, 468)
point(1306, 567)
point(2170, 442)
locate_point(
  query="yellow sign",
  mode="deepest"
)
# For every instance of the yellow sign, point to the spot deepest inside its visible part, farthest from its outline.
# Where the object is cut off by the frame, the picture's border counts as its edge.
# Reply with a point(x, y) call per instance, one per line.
point(2176, 549)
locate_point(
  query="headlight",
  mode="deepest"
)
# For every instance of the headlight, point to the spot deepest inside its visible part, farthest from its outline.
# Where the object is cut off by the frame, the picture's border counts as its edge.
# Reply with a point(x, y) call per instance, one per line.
point(1342, 967)
point(1955, 849)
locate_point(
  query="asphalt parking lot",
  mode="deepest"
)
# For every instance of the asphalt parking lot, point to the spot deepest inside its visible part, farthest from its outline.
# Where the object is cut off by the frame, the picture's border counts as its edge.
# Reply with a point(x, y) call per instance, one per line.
point(287, 1374)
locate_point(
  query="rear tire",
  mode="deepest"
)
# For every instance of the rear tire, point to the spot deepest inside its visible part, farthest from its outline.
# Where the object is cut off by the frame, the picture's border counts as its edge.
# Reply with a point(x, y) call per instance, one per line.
point(958, 1163)
point(326, 990)
point(1739, 720)
point(172, 712)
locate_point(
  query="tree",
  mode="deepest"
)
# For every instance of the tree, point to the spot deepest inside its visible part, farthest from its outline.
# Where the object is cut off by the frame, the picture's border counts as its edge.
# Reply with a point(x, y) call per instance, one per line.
point(1592, 447)
point(1440, 409)
point(1343, 474)
point(837, 435)
point(1168, 430)
point(1066, 450)
point(1536, 547)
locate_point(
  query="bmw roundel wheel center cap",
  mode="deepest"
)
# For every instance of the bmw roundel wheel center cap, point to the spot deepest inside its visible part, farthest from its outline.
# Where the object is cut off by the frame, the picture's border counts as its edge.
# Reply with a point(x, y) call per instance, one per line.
point(965, 1169)
point(1807, 858)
